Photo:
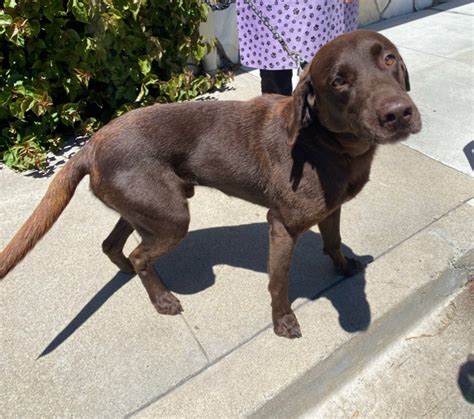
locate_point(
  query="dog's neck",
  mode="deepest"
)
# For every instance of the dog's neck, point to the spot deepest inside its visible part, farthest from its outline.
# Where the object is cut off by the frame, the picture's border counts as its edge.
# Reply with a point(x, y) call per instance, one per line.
point(316, 134)
point(352, 145)
point(340, 143)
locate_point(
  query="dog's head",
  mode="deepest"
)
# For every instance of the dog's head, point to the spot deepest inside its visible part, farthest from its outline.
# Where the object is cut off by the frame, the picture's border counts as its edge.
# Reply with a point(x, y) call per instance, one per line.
point(356, 85)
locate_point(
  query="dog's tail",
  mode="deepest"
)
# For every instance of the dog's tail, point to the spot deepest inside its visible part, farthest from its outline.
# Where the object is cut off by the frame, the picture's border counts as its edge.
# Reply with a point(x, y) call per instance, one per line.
point(57, 197)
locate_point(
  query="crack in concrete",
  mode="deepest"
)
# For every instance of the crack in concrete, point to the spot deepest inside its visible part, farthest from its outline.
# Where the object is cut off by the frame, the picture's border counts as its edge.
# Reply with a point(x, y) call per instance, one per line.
point(197, 340)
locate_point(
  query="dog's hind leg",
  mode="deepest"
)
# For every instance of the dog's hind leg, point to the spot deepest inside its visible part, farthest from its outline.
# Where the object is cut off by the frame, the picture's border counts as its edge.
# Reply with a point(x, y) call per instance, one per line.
point(161, 217)
point(113, 245)
point(142, 259)
point(158, 239)
point(152, 200)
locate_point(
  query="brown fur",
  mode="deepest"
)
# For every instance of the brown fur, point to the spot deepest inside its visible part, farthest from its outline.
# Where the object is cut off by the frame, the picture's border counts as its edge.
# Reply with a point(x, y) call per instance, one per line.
point(302, 157)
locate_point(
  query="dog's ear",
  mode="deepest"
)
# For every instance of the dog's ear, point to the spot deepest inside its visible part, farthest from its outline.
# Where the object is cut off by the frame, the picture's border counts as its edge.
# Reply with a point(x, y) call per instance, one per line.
point(406, 77)
point(303, 102)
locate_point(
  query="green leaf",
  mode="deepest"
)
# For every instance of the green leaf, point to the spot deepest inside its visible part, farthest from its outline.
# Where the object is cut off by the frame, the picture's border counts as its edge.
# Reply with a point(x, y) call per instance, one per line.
point(9, 4)
point(26, 104)
point(89, 125)
point(69, 113)
point(79, 10)
point(145, 65)
point(26, 155)
point(5, 19)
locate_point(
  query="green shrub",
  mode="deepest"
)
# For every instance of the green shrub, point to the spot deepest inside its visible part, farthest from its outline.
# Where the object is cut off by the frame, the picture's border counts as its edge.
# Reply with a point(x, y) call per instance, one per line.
point(69, 66)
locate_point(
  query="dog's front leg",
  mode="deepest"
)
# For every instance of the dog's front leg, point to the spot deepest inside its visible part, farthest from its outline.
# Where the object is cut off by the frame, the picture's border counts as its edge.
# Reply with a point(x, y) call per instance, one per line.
point(331, 235)
point(282, 244)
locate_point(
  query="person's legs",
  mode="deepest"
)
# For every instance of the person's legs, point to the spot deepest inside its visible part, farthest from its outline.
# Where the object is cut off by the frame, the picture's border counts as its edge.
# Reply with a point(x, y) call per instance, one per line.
point(276, 81)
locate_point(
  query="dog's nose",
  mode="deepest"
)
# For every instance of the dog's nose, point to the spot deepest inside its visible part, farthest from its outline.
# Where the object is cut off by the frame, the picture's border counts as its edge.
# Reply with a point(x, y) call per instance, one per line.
point(395, 112)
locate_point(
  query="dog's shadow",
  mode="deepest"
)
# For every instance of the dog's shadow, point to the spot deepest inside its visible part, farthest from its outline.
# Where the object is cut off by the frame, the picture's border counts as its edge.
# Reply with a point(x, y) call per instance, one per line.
point(189, 269)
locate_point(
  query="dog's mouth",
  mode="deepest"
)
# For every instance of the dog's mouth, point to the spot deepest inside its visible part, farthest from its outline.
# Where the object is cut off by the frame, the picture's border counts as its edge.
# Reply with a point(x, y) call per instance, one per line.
point(395, 136)
point(377, 134)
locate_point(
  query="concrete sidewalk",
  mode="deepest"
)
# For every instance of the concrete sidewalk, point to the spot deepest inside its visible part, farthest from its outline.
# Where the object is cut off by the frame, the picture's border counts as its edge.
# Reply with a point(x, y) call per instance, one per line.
point(79, 338)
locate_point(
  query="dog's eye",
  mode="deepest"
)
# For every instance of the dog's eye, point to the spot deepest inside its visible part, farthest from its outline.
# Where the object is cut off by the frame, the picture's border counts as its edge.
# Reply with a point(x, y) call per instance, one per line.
point(338, 82)
point(390, 60)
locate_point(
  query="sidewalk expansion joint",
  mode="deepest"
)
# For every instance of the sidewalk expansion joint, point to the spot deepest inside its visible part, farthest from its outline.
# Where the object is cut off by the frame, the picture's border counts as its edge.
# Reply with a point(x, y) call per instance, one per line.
point(210, 364)
point(155, 399)
point(197, 340)
point(269, 326)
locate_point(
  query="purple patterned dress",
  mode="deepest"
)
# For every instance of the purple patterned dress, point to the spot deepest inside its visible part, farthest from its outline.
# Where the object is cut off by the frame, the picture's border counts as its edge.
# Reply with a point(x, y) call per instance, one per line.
point(305, 25)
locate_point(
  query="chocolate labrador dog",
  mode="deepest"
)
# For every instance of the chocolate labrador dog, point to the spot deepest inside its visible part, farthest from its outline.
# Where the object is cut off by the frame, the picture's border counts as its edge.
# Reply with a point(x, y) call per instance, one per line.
point(301, 157)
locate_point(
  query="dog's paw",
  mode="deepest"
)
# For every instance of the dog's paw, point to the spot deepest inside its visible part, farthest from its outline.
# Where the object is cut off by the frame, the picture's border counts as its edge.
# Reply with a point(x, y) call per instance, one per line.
point(352, 267)
point(167, 303)
point(287, 326)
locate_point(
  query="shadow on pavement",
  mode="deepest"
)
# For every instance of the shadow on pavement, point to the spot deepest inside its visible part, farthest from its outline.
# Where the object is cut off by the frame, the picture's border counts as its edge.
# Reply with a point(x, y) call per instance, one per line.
point(469, 153)
point(189, 270)
point(109, 289)
point(466, 379)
